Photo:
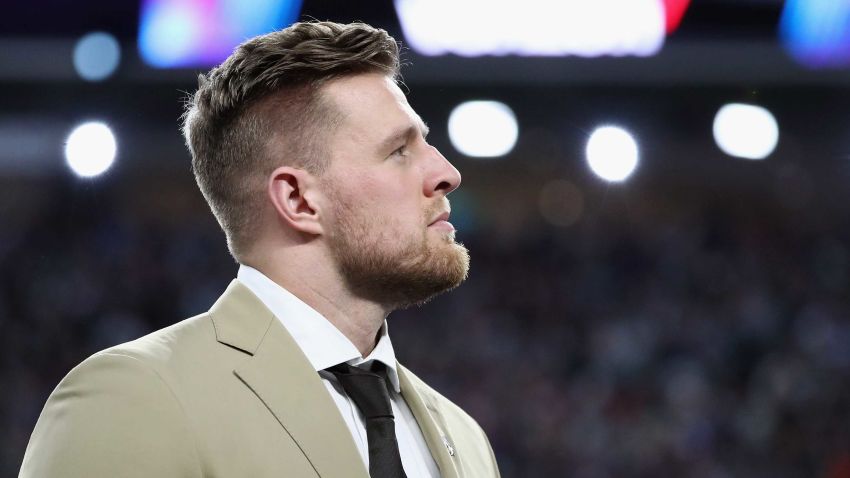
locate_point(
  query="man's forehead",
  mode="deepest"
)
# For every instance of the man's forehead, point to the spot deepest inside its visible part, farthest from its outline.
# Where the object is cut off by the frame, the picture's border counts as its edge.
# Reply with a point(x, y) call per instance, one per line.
point(401, 99)
point(374, 97)
point(364, 88)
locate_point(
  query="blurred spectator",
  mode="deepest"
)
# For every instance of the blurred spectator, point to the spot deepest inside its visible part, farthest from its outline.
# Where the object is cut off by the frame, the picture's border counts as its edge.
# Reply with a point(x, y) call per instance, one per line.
point(699, 347)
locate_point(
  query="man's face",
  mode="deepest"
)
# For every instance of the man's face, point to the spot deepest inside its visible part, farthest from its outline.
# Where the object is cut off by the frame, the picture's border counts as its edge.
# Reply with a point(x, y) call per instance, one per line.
point(387, 187)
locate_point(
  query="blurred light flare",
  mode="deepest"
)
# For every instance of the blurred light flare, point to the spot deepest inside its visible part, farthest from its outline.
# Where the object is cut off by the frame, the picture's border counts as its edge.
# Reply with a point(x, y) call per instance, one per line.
point(534, 27)
point(186, 33)
point(90, 149)
point(168, 35)
point(483, 128)
point(817, 32)
point(96, 56)
point(612, 153)
point(561, 203)
point(745, 131)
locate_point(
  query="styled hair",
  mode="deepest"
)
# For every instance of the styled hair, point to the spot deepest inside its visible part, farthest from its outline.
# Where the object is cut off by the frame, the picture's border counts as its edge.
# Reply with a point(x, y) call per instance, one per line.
point(262, 108)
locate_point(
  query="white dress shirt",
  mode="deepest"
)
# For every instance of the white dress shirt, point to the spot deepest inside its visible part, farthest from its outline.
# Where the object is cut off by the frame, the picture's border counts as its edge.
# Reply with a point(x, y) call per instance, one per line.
point(325, 346)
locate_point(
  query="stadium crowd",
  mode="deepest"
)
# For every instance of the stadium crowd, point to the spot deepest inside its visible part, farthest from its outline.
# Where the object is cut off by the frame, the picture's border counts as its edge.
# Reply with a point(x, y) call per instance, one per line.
point(715, 345)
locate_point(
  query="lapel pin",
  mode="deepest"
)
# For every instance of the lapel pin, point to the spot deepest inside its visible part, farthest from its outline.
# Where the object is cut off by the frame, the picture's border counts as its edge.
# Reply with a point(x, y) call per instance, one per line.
point(449, 446)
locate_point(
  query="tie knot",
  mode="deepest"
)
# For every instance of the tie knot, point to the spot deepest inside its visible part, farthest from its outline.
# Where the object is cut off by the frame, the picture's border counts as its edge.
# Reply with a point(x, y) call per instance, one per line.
point(367, 389)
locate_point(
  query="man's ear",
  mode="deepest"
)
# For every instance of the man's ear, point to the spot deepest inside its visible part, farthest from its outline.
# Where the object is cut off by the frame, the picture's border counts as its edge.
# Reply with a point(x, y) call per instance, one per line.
point(294, 194)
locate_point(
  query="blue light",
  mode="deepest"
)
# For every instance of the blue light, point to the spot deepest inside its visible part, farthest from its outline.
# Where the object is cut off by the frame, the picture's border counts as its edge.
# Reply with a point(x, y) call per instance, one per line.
point(202, 33)
point(96, 56)
point(817, 32)
point(167, 35)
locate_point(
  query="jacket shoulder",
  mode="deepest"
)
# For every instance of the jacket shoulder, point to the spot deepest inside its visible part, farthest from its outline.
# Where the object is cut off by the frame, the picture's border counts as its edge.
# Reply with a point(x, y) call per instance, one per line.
point(167, 344)
point(113, 414)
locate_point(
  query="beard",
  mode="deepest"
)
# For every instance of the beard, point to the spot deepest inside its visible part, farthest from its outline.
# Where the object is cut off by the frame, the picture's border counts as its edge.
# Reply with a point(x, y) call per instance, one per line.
point(382, 263)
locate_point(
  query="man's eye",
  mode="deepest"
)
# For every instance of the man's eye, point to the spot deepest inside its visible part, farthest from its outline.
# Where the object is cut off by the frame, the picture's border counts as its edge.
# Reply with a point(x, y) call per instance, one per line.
point(401, 151)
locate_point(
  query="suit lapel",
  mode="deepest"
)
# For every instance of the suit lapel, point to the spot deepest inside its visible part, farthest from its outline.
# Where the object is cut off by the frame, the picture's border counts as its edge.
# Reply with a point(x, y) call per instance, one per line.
point(430, 422)
point(277, 371)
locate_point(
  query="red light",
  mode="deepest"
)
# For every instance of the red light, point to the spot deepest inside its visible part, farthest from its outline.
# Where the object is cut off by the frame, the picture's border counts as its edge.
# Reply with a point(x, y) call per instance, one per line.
point(675, 10)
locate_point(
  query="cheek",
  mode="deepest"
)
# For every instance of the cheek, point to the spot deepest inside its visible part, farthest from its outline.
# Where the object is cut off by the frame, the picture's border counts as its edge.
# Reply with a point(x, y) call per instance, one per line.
point(384, 197)
point(397, 194)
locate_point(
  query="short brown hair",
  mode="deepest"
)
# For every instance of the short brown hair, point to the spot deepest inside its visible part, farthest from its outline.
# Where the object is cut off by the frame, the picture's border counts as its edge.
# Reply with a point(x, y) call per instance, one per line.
point(267, 93)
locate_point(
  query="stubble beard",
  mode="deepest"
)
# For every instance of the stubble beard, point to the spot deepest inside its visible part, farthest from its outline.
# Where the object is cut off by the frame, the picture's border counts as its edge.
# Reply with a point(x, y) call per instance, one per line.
point(380, 263)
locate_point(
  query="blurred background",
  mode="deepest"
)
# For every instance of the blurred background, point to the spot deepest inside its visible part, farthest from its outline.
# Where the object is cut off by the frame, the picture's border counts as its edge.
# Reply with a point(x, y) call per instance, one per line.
point(655, 196)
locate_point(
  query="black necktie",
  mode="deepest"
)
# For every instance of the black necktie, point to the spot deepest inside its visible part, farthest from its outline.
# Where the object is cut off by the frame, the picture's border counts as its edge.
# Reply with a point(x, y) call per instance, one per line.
point(370, 394)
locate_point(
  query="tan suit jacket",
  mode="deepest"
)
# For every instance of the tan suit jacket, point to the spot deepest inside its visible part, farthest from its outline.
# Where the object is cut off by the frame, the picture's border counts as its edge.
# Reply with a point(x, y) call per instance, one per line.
point(224, 394)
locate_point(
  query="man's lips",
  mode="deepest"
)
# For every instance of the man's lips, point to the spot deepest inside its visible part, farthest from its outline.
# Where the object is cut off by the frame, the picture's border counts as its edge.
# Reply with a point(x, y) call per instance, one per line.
point(442, 222)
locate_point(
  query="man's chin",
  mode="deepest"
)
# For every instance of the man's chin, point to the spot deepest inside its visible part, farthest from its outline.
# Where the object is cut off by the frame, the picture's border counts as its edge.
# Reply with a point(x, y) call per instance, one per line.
point(443, 277)
point(400, 285)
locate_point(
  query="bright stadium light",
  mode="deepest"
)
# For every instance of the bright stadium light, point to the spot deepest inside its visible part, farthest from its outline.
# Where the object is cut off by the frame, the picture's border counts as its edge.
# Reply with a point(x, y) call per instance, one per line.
point(745, 131)
point(612, 153)
point(535, 27)
point(483, 129)
point(96, 56)
point(90, 149)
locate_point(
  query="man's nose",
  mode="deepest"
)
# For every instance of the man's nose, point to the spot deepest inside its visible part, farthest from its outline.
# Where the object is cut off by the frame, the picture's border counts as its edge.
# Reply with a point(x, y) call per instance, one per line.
point(443, 178)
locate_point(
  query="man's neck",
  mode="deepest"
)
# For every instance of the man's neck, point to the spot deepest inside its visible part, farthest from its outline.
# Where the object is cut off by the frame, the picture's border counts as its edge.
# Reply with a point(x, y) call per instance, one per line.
point(359, 320)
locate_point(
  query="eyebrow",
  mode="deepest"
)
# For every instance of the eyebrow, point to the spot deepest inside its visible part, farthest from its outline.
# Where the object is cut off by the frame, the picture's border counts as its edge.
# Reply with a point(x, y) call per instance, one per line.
point(404, 133)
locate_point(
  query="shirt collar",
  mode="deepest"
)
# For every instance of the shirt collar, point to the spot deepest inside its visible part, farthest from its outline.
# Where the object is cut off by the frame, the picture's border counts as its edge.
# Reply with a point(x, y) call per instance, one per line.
point(322, 343)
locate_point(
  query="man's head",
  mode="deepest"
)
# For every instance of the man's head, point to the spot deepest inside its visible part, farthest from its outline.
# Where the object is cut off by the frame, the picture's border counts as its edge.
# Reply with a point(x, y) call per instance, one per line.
point(262, 108)
point(304, 134)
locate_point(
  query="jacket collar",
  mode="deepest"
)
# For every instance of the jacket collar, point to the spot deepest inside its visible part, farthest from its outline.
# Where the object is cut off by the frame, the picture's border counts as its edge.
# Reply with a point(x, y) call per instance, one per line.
point(283, 379)
point(322, 343)
point(424, 407)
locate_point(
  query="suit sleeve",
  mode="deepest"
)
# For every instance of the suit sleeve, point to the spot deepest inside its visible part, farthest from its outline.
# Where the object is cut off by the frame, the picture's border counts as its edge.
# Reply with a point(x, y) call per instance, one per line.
point(112, 415)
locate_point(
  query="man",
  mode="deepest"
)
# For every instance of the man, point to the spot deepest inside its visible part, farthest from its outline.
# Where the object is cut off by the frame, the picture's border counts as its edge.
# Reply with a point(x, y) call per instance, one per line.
point(335, 206)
